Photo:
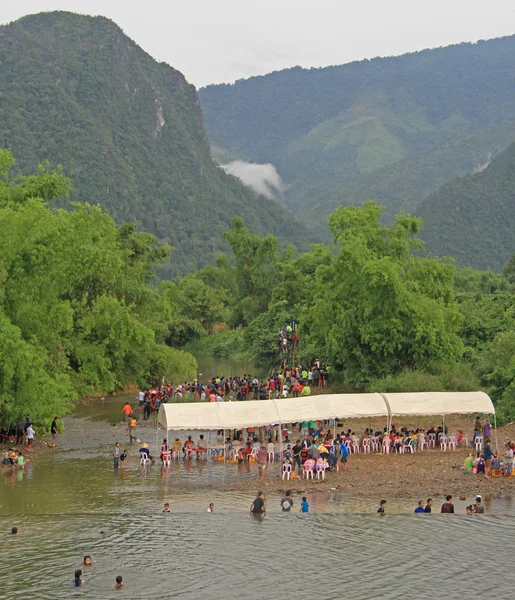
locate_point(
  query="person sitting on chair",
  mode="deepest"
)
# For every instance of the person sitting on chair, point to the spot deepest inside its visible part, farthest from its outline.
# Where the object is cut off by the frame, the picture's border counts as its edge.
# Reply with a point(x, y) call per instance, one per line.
point(144, 449)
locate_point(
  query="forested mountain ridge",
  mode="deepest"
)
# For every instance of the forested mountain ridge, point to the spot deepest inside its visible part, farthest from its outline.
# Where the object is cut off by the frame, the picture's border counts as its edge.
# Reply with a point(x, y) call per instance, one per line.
point(75, 90)
point(389, 129)
point(471, 218)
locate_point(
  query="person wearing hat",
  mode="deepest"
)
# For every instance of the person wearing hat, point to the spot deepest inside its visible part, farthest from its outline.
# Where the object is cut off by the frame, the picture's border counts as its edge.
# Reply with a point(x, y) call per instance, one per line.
point(144, 448)
point(480, 508)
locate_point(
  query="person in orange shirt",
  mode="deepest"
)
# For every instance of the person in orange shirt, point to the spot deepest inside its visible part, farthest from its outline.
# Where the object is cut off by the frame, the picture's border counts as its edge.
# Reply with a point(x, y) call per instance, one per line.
point(127, 409)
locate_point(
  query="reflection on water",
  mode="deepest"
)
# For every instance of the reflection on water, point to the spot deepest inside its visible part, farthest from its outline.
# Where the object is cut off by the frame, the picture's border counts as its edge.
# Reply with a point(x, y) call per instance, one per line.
point(342, 548)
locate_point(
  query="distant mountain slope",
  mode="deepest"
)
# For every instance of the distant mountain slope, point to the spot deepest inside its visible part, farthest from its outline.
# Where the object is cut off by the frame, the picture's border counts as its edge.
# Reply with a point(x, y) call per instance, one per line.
point(382, 129)
point(472, 218)
point(400, 186)
point(128, 130)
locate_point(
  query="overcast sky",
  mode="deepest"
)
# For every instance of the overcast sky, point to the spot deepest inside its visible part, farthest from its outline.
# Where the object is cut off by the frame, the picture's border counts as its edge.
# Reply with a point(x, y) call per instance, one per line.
point(215, 41)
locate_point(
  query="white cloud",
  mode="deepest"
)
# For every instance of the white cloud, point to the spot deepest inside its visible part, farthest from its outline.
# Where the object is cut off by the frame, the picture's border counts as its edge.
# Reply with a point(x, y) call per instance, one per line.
point(263, 179)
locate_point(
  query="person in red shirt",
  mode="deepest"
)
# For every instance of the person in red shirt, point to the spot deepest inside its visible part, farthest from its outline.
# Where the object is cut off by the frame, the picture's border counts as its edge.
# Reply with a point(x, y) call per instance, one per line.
point(188, 446)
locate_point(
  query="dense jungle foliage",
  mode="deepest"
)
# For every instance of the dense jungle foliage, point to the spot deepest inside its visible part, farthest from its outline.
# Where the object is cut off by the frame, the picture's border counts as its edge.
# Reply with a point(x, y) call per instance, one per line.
point(392, 130)
point(78, 313)
point(74, 90)
point(82, 312)
point(383, 314)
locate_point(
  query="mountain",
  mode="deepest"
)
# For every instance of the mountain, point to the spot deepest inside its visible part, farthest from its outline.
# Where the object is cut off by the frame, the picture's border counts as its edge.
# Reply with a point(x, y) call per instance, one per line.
point(471, 218)
point(389, 129)
point(129, 132)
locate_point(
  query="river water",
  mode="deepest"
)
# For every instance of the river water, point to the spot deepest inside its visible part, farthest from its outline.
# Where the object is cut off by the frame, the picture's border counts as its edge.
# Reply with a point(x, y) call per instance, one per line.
point(69, 503)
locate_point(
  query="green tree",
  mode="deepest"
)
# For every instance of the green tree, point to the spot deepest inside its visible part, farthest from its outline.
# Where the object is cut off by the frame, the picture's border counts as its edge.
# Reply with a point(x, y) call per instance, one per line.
point(378, 308)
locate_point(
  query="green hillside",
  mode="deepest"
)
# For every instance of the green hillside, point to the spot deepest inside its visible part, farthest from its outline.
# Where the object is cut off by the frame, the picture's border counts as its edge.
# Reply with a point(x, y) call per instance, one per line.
point(471, 217)
point(388, 129)
point(400, 186)
point(128, 131)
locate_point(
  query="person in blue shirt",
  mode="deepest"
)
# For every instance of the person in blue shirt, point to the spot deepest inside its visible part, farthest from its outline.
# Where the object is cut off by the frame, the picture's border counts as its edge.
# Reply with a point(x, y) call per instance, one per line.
point(420, 508)
point(488, 454)
point(304, 506)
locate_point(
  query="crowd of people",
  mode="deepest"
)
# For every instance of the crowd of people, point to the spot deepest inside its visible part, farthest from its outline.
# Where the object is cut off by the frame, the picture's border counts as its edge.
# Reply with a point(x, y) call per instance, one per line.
point(288, 382)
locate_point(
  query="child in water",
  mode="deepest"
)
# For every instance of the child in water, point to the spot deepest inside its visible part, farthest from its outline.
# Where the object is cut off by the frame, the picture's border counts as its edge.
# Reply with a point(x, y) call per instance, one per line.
point(304, 506)
point(78, 577)
point(119, 581)
point(87, 561)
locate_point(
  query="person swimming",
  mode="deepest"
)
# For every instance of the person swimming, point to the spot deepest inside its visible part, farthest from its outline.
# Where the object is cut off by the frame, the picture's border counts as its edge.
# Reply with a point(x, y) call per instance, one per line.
point(78, 577)
point(87, 561)
point(14, 531)
point(119, 581)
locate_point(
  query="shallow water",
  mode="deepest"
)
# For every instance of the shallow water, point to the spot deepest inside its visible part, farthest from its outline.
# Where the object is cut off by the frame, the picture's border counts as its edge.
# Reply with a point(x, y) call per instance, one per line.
point(341, 549)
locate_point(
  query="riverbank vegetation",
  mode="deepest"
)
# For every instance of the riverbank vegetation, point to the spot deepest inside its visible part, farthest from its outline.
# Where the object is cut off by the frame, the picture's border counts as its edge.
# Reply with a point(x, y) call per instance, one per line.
point(373, 305)
point(78, 312)
point(82, 310)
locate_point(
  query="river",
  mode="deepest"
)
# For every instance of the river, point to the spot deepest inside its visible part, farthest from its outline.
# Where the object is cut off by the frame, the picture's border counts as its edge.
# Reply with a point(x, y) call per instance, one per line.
point(69, 503)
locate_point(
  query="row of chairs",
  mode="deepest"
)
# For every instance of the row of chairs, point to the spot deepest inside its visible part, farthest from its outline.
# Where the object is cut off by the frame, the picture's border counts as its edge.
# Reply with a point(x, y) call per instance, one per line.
point(309, 468)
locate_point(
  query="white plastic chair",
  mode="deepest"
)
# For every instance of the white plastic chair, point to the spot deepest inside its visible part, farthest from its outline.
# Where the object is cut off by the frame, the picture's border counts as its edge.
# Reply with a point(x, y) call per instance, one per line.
point(307, 469)
point(253, 453)
point(167, 458)
point(355, 447)
point(271, 452)
point(321, 467)
point(432, 440)
point(478, 443)
point(444, 443)
point(385, 446)
point(374, 444)
point(422, 445)
point(408, 448)
point(143, 459)
point(286, 472)
point(452, 442)
point(366, 445)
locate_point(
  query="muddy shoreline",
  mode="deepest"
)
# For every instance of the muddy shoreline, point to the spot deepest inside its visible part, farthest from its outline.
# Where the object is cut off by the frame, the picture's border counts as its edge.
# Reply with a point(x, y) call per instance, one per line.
point(422, 475)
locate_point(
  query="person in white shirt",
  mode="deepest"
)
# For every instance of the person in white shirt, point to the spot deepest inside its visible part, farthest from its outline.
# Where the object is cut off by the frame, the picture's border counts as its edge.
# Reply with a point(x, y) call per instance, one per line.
point(30, 435)
point(211, 508)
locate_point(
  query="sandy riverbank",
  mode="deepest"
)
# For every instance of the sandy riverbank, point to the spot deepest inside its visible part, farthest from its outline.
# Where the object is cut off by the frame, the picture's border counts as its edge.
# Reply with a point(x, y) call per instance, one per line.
point(421, 475)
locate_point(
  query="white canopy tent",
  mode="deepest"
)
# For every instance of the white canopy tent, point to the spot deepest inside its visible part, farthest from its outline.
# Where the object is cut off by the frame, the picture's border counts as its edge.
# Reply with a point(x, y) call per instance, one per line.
point(439, 403)
point(239, 415)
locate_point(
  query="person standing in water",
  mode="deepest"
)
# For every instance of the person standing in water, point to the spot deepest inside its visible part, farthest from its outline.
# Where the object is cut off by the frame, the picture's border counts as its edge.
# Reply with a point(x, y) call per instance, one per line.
point(382, 507)
point(116, 455)
point(287, 502)
point(78, 577)
point(127, 409)
point(479, 506)
point(132, 429)
point(304, 505)
point(211, 508)
point(258, 508)
point(119, 581)
point(53, 431)
point(447, 506)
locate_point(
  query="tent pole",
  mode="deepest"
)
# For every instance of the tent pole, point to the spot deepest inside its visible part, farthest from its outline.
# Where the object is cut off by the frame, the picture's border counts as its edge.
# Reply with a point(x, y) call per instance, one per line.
point(224, 444)
point(495, 432)
point(280, 445)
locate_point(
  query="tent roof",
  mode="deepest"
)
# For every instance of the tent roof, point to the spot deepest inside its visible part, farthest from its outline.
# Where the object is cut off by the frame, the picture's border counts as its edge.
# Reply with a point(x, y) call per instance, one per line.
point(237, 415)
point(439, 403)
